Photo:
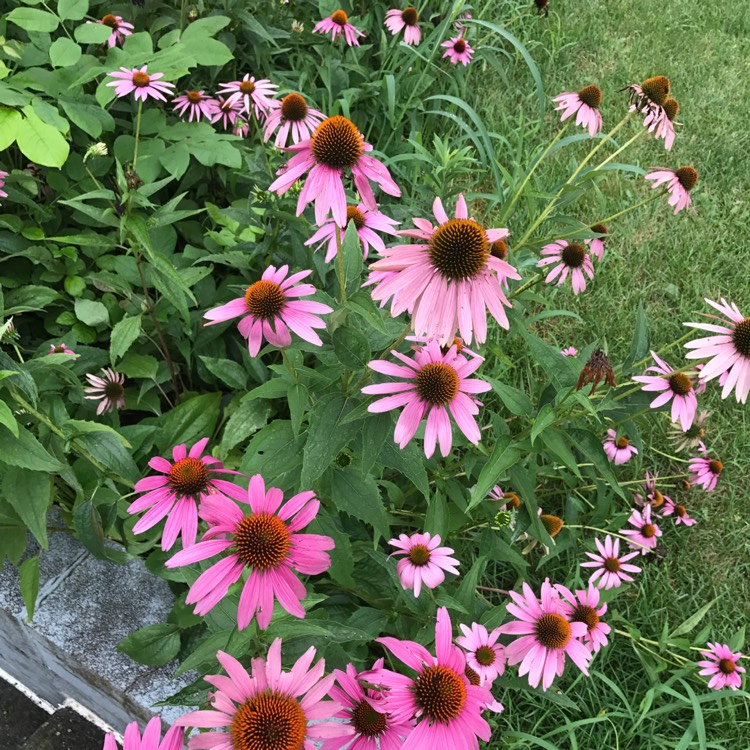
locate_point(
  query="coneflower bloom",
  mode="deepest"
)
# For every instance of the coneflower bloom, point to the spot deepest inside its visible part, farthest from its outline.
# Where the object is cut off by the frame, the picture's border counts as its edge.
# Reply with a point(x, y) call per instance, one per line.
point(618, 449)
point(649, 96)
point(196, 104)
point(60, 349)
point(646, 533)
point(366, 714)
point(584, 606)
point(458, 50)
point(436, 383)
point(596, 244)
point(586, 104)
point(611, 567)
point(266, 542)
point(424, 561)
point(659, 122)
point(597, 367)
point(676, 387)
point(570, 351)
point(338, 23)
point(365, 222)
point(108, 389)
point(267, 709)
point(679, 183)
point(691, 439)
point(227, 110)
point(178, 489)
point(240, 128)
point(291, 116)
point(483, 652)
point(334, 148)
point(173, 739)
point(721, 664)
point(678, 511)
point(3, 175)
point(254, 96)
point(547, 636)
point(407, 19)
point(140, 83)
point(269, 310)
point(449, 278)
point(570, 259)
point(729, 350)
point(705, 472)
point(120, 28)
point(496, 493)
point(448, 707)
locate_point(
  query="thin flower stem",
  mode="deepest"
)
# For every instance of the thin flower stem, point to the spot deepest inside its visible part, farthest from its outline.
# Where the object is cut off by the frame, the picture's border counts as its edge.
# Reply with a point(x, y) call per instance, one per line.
point(528, 283)
point(673, 458)
point(619, 150)
point(340, 262)
point(494, 591)
point(639, 641)
point(611, 533)
point(137, 132)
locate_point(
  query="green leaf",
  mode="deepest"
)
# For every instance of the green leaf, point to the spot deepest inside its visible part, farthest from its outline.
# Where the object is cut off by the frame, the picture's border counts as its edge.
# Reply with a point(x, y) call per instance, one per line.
point(10, 123)
point(248, 418)
point(123, 336)
point(504, 455)
point(337, 632)
point(7, 418)
point(12, 542)
point(559, 369)
point(33, 19)
point(201, 28)
point(351, 347)
point(516, 401)
point(467, 591)
point(590, 446)
point(227, 371)
point(63, 53)
point(74, 427)
point(409, 461)
point(29, 579)
point(139, 366)
point(436, 519)
point(155, 645)
point(639, 347)
point(205, 654)
point(353, 259)
point(25, 451)
point(29, 493)
point(91, 312)
point(275, 453)
point(543, 419)
point(559, 444)
point(693, 621)
point(207, 51)
point(90, 118)
point(360, 497)
point(92, 33)
point(40, 142)
point(109, 451)
point(362, 304)
point(87, 523)
point(73, 10)
point(190, 421)
point(298, 398)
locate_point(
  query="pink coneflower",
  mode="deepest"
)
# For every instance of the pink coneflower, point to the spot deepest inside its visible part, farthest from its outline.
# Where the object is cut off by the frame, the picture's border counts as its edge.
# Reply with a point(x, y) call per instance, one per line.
point(338, 23)
point(269, 309)
point(292, 115)
point(108, 389)
point(254, 96)
point(596, 244)
point(646, 533)
point(729, 351)
point(227, 110)
point(449, 278)
point(584, 606)
point(366, 714)
point(458, 50)
point(267, 542)
point(679, 183)
point(177, 491)
point(408, 19)
point(618, 449)
point(570, 351)
point(584, 102)
point(675, 386)
point(660, 124)
point(705, 472)
point(611, 568)
point(3, 175)
point(173, 739)
point(692, 439)
point(120, 28)
point(60, 349)
point(365, 222)
point(267, 709)
point(141, 84)
point(547, 636)
point(652, 99)
point(437, 382)
point(721, 663)
point(496, 493)
point(196, 103)
point(240, 128)
point(679, 511)
point(447, 705)
point(334, 148)
point(483, 652)
point(571, 259)
point(424, 561)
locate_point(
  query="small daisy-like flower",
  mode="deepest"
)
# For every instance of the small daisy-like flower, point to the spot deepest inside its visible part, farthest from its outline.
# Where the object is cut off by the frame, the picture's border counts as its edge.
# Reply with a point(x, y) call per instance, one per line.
point(691, 439)
point(291, 116)
point(449, 278)
point(3, 175)
point(120, 28)
point(596, 244)
point(728, 349)
point(436, 384)
point(267, 709)
point(140, 83)
point(408, 19)
point(108, 389)
point(151, 740)
point(334, 148)
point(253, 96)
point(178, 489)
point(269, 310)
point(484, 654)
point(678, 511)
point(227, 110)
point(584, 606)
point(679, 183)
point(267, 543)
point(365, 222)
point(586, 103)
point(646, 533)
point(458, 50)
point(597, 368)
point(338, 23)
point(611, 568)
point(60, 349)
point(196, 104)
point(721, 664)
point(423, 561)
point(570, 259)
point(570, 351)
point(618, 449)
point(705, 472)
point(676, 387)
point(547, 636)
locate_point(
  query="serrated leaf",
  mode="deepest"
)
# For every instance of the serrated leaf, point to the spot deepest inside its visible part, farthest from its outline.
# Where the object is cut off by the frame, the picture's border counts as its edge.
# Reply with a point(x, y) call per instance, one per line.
point(516, 401)
point(25, 451)
point(124, 335)
point(409, 461)
point(91, 312)
point(227, 371)
point(359, 496)
point(154, 645)
point(7, 418)
point(190, 421)
point(246, 420)
point(109, 451)
point(351, 347)
point(29, 493)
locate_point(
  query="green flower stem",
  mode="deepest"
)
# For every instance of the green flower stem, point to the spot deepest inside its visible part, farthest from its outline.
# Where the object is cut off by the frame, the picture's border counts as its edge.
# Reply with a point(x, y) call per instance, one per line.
point(610, 533)
point(137, 132)
point(640, 641)
point(340, 263)
point(528, 283)
point(263, 147)
point(621, 149)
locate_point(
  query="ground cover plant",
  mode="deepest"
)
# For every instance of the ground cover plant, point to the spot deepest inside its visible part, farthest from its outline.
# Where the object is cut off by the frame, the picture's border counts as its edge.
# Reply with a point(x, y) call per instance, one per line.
point(263, 243)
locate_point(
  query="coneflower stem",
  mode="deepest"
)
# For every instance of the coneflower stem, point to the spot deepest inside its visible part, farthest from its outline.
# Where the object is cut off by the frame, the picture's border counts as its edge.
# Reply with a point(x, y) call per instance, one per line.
point(340, 262)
